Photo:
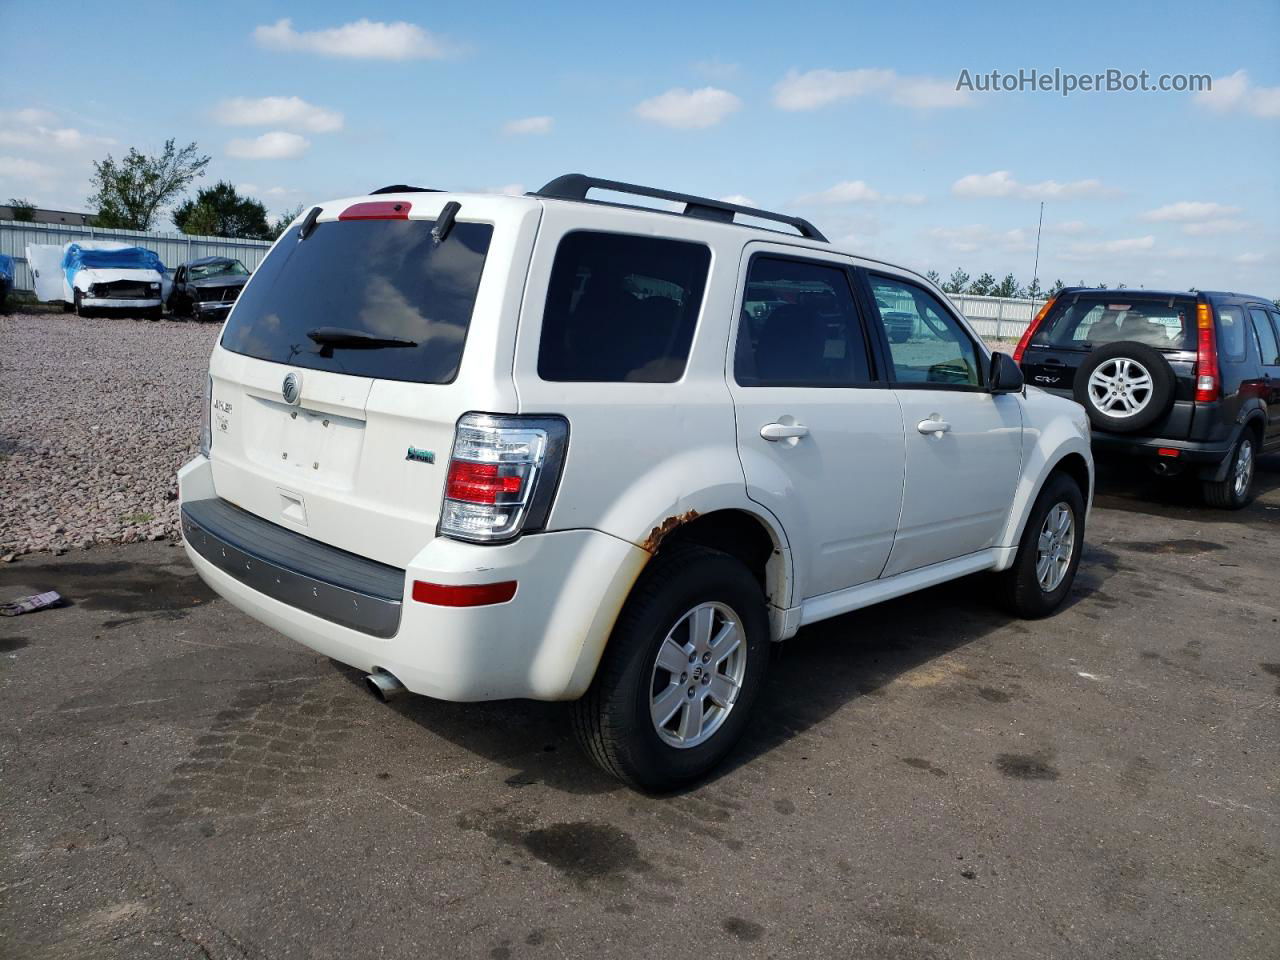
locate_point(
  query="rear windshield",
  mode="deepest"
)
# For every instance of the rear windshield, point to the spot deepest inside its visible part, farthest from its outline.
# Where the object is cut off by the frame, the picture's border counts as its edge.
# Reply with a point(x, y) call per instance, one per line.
point(387, 280)
point(1090, 320)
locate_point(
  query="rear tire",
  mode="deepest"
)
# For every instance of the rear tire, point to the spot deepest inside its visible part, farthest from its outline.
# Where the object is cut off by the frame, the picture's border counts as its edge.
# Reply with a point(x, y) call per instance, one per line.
point(1048, 554)
point(686, 595)
point(1125, 387)
point(1235, 490)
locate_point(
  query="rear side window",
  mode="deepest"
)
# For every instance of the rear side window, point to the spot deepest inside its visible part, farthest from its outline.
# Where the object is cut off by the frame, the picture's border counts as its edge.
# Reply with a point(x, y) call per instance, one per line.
point(799, 327)
point(1231, 332)
point(621, 308)
point(1267, 346)
point(406, 300)
point(926, 343)
point(1092, 320)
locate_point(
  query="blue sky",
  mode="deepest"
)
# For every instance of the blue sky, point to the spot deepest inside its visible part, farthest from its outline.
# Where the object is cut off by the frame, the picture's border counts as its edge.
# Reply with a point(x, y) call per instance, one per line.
point(845, 113)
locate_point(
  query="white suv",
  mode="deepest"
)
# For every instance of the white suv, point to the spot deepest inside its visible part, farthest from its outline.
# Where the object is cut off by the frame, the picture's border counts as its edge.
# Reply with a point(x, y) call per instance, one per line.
point(484, 447)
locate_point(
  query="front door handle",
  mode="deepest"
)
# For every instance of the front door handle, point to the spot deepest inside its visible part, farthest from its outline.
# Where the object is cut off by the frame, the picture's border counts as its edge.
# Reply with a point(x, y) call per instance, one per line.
point(784, 431)
point(937, 427)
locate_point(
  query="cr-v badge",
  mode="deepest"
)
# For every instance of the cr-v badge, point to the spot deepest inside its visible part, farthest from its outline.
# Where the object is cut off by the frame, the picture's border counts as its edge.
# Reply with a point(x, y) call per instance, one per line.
point(292, 389)
point(1044, 379)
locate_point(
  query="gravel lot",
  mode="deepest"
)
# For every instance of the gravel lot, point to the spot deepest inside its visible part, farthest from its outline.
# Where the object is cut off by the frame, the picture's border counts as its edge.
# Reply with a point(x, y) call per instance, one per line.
point(96, 416)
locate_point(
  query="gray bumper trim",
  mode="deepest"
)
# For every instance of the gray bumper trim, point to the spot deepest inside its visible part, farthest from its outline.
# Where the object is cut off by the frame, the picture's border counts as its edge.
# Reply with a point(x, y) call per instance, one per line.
point(319, 579)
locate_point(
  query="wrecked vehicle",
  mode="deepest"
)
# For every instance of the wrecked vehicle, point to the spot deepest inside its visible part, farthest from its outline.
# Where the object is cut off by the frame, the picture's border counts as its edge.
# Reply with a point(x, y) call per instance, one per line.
point(206, 289)
point(91, 275)
point(562, 448)
point(6, 281)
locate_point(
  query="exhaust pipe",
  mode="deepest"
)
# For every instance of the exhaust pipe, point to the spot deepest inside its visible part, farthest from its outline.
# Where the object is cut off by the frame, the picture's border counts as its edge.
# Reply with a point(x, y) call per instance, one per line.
point(383, 685)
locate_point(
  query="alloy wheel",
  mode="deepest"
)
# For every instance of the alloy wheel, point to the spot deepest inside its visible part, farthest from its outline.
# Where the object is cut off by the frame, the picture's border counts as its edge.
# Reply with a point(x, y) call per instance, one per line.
point(697, 675)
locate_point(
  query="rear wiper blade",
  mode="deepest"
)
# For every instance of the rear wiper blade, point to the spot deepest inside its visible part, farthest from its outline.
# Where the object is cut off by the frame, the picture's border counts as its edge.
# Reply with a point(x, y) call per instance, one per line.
point(331, 337)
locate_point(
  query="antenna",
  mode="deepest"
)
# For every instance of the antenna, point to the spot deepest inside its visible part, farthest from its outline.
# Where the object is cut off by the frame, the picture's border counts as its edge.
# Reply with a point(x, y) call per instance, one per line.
point(1035, 272)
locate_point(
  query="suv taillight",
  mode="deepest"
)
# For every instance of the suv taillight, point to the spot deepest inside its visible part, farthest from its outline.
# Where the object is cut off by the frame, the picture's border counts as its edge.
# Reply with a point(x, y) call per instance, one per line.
point(502, 476)
point(206, 429)
point(1208, 380)
point(1030, 332)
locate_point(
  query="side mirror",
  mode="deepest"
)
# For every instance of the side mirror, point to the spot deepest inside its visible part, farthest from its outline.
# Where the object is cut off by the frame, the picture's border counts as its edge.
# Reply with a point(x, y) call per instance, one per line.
point(1006, 376)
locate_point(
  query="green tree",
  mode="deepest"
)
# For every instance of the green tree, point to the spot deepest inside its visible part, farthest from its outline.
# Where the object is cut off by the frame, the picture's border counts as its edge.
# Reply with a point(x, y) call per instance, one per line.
point(130, 193)
point(1008, 287)
point(220, 211)
point(983, 286)
point(957, 282)
point(933, 277)
point(1057, 288)
point(23, 209)
point(1034, 290)
point(281, 223)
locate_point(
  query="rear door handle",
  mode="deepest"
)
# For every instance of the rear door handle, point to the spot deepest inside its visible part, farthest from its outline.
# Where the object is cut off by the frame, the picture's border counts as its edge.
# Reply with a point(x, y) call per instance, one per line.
point(784, 431)
point(933, 426)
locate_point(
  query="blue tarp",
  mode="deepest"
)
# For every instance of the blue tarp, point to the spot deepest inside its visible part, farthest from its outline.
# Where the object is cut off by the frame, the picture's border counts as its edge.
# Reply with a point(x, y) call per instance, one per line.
point(77, 257)
point(6, 268)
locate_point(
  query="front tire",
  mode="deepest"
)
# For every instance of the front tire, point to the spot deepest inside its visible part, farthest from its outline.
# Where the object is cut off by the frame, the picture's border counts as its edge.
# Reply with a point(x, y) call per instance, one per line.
point(1234, 491)
point(1049, 552)
point(81, 310)
point(681, 672)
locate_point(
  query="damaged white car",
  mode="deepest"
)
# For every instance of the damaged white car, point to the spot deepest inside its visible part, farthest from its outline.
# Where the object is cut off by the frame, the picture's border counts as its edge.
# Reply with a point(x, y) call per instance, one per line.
point(91, 275)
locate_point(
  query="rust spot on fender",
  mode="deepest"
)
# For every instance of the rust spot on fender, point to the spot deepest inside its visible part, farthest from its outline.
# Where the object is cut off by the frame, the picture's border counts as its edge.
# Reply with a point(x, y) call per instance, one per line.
point(659, 533)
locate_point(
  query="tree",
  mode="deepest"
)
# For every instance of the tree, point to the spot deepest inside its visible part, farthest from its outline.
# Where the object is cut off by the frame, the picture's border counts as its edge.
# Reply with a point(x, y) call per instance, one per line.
point(220, 211)
point(957, 283)
point(933, 277)
point(1008, 287)
point(23, 210)
point(983, 286)
point(281, 223)
point(129, 193)
point(1057, 288)
point(1034, 290)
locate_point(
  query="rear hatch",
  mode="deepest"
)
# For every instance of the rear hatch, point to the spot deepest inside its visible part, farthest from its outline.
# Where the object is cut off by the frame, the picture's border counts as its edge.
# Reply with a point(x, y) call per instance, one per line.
point(349, 357)
point(1079, 323)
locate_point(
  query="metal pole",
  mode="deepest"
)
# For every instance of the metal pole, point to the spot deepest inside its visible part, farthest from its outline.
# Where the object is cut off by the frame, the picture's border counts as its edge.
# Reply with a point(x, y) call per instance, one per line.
point(1035, 273)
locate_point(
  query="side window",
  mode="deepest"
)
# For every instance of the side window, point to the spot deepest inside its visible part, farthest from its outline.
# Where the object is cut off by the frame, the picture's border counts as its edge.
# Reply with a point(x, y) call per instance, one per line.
point(926, 343)
point(799, 327)
point(1231, 332)
point(1267, 346)
point(621, 308)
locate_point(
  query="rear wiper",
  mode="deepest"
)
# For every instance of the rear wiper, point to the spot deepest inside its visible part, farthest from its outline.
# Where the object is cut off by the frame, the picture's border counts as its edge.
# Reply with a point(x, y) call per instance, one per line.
point(330, 337)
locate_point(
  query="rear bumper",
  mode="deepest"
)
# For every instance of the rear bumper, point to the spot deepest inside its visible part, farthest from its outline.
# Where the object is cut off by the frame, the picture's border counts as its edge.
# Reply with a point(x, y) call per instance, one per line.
point(543, 644)
point(1189, 451)
point(212, 309)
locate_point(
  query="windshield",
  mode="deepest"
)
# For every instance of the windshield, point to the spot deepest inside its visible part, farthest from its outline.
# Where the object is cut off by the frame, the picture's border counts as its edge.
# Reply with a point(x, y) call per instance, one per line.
point(383, 279)
point(1088, 320)
point(217, 268)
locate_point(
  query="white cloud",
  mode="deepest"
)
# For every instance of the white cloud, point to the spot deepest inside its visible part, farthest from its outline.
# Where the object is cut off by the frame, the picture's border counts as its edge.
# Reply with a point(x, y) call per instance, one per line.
point(537, 125)
point(34, 129)
point(507, 189)
point(689, 109)
point(252, 189)
point(857, 191)
point(818, 88)
point(1068, 228)
point(1235, 93)
point(740, 200)
point(1001, 183)
point(274, 145)
point(1211, 228)
point(32, 116)
point(1086, 252)
point(976, 237)
point(1188, 210)
point(362, 39)
point(717, 70)
point(23, 169)
point(292, 112)
point(1248, 259)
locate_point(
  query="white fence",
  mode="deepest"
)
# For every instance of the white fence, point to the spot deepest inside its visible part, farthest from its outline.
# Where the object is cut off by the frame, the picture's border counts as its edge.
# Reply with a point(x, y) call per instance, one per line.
point(173, 248)
point(997, 317)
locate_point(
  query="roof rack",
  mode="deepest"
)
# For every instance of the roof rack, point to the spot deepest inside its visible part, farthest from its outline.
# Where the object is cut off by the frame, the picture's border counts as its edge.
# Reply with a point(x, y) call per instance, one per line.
point(402, 188)
point(574, 186)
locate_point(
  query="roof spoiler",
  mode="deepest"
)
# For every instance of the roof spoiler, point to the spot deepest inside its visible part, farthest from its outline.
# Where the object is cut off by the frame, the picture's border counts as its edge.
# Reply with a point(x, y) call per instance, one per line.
point(574, 186)
point(403, 188)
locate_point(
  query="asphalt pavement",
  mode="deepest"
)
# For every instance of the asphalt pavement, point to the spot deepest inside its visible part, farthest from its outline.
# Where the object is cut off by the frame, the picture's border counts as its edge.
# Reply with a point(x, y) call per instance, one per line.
point(925, 779)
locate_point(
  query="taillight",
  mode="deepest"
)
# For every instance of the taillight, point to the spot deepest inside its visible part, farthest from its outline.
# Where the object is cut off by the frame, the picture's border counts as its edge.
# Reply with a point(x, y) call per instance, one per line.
point(206, 430)
point(502, 476)
point(1030, 332)
point(1208, 383)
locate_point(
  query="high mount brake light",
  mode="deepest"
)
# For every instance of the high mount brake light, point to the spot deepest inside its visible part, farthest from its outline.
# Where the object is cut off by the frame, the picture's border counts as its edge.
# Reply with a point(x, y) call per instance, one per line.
point(502, 476)
point(377, 210)
point(1208, 381)
point(1031, 330)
